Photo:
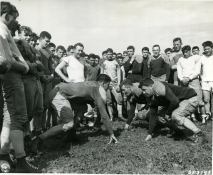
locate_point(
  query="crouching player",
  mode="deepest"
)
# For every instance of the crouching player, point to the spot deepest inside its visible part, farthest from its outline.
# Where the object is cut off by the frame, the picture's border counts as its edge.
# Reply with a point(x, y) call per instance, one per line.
point(136, 96)
point(68, 98)
point(180, 102)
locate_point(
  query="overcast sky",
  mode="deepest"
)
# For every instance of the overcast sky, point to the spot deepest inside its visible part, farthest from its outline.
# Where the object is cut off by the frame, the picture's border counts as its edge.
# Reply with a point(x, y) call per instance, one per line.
point(100, 24)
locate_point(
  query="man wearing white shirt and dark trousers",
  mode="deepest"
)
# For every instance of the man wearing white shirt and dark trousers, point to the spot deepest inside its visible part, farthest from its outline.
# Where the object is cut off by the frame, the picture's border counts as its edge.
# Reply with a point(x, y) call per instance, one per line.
point(75, 65)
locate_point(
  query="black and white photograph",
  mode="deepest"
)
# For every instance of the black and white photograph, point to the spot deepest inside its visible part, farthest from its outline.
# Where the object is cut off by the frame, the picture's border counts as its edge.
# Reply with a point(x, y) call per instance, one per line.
point(106, 86)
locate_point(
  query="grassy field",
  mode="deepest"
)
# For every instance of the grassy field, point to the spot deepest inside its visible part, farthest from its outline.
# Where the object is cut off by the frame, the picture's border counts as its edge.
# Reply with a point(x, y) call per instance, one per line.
point(132, 154)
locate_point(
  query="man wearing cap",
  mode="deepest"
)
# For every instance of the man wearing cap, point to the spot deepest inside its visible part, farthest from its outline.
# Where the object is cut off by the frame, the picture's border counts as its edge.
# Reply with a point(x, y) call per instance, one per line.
point(66, 98)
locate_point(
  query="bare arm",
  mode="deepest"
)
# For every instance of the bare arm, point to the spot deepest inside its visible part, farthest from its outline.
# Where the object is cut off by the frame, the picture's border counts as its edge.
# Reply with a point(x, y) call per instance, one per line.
point(58, 70)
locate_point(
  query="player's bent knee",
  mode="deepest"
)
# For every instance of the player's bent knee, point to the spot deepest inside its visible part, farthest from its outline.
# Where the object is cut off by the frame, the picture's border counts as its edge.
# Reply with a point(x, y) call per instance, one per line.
point(176, 118)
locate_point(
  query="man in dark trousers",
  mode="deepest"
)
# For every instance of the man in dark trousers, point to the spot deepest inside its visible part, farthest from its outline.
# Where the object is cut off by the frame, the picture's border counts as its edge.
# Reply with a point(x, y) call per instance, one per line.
point(179, 103)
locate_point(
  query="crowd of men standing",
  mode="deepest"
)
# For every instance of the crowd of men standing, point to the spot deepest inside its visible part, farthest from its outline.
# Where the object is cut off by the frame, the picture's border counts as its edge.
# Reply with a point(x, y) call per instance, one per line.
point(32, 68)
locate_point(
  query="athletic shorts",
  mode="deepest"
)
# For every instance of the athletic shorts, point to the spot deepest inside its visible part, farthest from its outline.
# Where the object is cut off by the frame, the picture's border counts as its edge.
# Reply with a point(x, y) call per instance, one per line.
point(207, 85)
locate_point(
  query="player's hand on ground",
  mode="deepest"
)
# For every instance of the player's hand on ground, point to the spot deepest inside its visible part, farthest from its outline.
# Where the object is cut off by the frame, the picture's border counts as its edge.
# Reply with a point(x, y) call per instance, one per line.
point(112, 137)
point(148, 137)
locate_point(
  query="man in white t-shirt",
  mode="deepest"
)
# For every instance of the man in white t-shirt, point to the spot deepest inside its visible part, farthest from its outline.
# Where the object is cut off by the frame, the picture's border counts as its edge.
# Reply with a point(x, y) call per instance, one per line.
point(188, 71)
point(206, 66)
point(112, 69)
point(75, 66)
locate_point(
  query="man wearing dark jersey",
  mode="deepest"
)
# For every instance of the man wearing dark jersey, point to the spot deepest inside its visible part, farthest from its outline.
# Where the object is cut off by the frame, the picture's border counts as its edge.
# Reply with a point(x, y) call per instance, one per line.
point(179, 103)
point(66, 98)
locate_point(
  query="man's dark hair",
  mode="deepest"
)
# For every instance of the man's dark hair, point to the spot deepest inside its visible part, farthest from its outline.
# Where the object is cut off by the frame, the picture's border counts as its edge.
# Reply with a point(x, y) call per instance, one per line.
point(103, 78)
point(186, 48)
point(104, 52)
point(16, 26)
point(146, 82)
point(109, 50)
point(7, 7)
point(44, 34)
point(156, 45)
point(177, 39)
point(70, 47)
point(78, 44)
point(92, 55)
point(145, 48)
point(195, 47)
point(97, 56)
point(114, 53)
point(125, 52)
point(168, 50)
point(131, 47)
point(207, 43)
point(126, 82)
point(34, 37)
point(60, 47)
point(51, 45)
point(28, 29)
point(119, 54)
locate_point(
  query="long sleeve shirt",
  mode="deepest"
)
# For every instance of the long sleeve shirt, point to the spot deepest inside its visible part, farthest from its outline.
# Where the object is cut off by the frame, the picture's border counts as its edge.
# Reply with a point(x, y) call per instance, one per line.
point(160, 66)
point(8, 48)
point(136, 68)
point(46, 60)
point(88, 90)
point(169, 96)
point(188, 67)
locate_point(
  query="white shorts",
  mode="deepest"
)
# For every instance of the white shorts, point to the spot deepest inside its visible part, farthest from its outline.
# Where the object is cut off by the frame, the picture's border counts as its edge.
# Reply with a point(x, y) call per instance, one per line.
point(207, 85)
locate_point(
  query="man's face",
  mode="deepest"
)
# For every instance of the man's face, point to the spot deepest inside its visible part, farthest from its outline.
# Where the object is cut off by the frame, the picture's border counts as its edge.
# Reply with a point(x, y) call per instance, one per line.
point(86, 58)
point(207, 50)
point(60, 53)
point(168, 53)
point(195, 51)
point(78, 50)
point(106, 86)
point(156, 51)
point(130, 53)
point(187, 54)
point(96, 61)
point(109, 56)
point(44, 42)
point(145, 53)
point(25, 35)
point(71, 52)
point(113, 56)
point(92, 62)
point(104, 56)
point(125, 54)
point(52, 49)
point(147, 91)
point(32, 43)
point(11, 19)
point(120, 61)
point(126, 90)
point(177, 45)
